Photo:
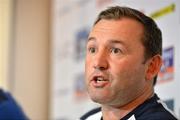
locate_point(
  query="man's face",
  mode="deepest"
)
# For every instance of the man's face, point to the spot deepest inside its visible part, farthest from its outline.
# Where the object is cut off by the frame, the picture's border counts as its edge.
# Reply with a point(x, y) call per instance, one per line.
point(115, 73)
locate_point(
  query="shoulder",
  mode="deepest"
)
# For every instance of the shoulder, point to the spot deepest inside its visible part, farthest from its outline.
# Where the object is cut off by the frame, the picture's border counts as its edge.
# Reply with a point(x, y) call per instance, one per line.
point(156, 109)
point(159, 115)
point(92, 114)
point(161, 112)
point(9, 108)
point(2, 96)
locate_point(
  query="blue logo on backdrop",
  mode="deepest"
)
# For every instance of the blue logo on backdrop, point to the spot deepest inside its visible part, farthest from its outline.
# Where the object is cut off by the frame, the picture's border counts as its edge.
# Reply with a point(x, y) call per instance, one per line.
point(80, 44)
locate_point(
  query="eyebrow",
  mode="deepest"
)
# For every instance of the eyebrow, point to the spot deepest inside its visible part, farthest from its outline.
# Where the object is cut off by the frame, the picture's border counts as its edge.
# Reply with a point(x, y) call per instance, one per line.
point(91, 39)
point(116, 41)
point(111, 41)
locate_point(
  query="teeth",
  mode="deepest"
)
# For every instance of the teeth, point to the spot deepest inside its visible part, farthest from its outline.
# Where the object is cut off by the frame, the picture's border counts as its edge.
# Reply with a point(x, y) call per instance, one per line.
point(100, 79)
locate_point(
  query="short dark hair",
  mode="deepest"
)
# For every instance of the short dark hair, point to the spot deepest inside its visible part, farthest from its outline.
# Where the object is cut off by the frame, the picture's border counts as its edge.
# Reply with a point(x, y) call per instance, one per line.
point(152, 39)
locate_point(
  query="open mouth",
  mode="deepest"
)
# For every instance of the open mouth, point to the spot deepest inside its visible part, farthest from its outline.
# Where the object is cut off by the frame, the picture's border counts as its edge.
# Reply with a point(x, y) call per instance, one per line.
point(99, 81)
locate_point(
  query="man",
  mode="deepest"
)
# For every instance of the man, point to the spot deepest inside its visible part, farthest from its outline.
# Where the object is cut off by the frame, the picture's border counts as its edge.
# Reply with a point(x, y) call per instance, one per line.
point(9, 109)
point(123, 59)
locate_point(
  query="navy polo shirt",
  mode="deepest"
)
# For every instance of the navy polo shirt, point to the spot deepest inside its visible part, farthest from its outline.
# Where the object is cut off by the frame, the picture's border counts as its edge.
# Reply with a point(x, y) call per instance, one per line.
point(151, 109)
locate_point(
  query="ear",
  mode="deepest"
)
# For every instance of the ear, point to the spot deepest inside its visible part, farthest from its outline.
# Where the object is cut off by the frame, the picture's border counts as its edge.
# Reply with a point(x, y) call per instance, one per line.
point(153, 67)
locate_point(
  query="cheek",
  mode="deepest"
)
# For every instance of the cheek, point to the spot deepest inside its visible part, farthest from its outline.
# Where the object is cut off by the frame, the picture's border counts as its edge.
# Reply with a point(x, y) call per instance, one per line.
point(127, 73)
point(126, 64)
point(119, 67)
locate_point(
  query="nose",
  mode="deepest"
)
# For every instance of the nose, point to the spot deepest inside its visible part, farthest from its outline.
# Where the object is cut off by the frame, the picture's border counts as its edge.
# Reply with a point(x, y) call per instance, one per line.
point(100, 61)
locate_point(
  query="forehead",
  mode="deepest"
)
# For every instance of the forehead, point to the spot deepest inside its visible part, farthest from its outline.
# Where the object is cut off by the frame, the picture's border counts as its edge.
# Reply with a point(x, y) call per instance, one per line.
point(124, 29)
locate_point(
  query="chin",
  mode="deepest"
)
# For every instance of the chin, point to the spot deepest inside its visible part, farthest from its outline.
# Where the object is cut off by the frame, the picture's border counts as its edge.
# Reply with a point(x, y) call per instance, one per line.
point(100, 99)
point(103, 100)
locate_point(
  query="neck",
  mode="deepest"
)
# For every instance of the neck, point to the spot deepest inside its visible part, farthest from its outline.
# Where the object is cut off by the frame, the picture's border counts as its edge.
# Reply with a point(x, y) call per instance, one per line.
point(116, 113)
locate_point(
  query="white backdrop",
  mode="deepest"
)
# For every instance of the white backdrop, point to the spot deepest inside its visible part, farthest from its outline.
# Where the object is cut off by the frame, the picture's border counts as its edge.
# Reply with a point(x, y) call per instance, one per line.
point(71, 23)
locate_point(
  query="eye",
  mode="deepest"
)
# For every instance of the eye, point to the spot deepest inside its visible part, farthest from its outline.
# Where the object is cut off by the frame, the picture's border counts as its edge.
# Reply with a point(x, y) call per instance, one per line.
point(116, 51)
point(91, 50)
